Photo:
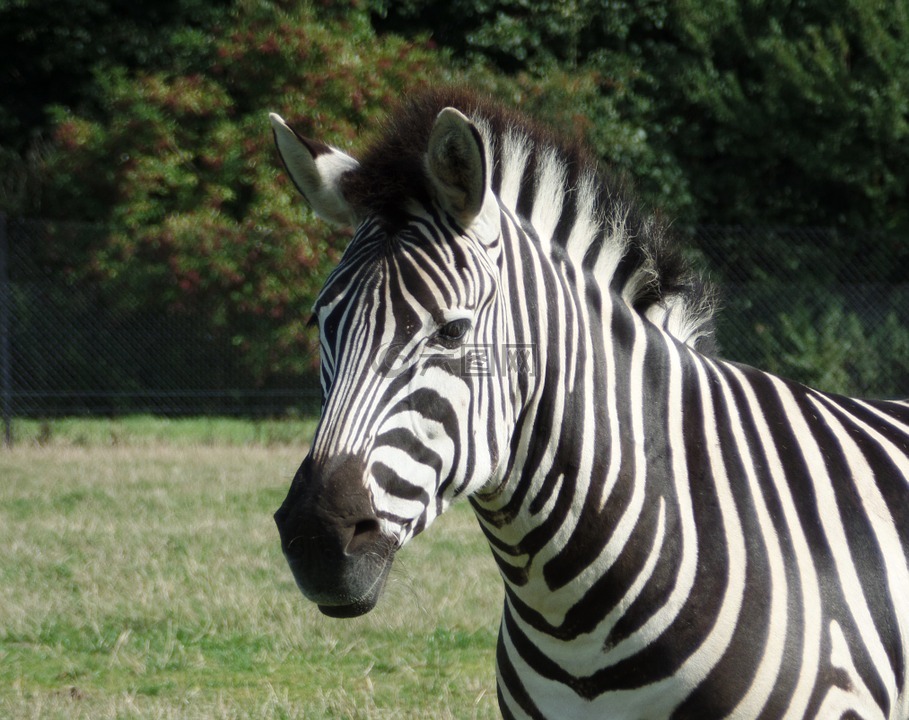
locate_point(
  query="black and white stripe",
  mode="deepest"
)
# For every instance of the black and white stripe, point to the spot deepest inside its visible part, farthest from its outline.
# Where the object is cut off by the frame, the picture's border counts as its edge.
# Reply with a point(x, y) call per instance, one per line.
point(679, 536)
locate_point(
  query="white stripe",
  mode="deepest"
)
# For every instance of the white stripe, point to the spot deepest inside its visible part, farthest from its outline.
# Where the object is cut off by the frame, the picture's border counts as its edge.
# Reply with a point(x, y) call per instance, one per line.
point(811, 599)
point(857, 700)
point(667, 613)
point(586, 226)
point(762, 684)
point(831, 521)
point(883, 526)
point(515, 151)
point(549, 196)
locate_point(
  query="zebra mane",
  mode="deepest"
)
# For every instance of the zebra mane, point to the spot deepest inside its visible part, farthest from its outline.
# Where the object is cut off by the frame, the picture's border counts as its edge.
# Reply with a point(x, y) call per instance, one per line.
point(629, 251)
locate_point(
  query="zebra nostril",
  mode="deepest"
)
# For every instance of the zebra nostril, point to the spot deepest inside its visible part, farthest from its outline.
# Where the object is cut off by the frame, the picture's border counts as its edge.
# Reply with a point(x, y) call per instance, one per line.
point(364, 533)
point(365, 526)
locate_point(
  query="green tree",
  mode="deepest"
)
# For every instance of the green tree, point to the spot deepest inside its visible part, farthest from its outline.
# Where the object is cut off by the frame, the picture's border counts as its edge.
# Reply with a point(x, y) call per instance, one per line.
point(792, 113)
point(581, 64)
point(519, 35)
point(180, 165)
point(751, 113)
point(53, 51)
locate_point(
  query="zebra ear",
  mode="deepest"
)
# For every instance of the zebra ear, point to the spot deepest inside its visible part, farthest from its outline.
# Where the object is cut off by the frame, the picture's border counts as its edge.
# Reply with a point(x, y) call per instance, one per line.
point(316, 169)
point(456, 160)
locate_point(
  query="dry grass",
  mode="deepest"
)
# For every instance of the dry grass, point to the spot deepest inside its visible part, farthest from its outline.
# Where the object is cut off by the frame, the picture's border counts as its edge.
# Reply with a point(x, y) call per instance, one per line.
point(147, 581)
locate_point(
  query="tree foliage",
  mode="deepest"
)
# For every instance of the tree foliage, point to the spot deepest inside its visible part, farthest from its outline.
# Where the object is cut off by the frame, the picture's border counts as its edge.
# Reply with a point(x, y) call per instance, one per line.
point(51, 51)
point(150, 119)
point(798, 111)
point(181, 166)
point(783, 112)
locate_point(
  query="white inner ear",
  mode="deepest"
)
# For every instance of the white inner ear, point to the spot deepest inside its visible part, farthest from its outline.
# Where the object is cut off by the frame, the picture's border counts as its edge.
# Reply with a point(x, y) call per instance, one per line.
point(456, 161)
point(316, 170)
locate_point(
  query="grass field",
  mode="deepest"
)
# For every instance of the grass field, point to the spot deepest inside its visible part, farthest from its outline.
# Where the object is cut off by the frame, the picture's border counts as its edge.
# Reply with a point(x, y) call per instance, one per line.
point(141, 577)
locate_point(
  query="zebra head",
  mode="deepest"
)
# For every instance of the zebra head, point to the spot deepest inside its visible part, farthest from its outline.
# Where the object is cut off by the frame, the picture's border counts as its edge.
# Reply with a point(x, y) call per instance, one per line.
point(407, 320)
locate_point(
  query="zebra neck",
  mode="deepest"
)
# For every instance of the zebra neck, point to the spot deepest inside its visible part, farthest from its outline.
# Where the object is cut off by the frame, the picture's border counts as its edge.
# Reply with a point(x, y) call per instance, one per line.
point(591, 469)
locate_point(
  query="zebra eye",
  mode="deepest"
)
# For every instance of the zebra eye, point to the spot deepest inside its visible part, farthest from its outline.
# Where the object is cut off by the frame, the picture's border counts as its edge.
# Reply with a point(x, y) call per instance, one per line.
point(452, 333)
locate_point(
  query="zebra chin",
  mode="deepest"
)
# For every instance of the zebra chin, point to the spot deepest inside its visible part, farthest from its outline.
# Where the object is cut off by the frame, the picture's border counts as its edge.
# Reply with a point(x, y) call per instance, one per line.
point(350, 596)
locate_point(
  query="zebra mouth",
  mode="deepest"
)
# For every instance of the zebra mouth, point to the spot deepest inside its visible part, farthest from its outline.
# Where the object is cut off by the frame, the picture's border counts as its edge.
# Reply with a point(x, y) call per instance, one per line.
point(344, 585)
point(356, 609)
point(364, 603)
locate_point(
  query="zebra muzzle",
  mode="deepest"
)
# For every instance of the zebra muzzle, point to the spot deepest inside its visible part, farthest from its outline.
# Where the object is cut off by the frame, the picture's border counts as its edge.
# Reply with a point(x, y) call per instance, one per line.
point(332, 537)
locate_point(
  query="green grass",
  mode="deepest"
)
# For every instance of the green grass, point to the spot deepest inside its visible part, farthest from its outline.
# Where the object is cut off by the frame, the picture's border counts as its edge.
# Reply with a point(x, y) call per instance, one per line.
point(143, 578)
point(147, 430)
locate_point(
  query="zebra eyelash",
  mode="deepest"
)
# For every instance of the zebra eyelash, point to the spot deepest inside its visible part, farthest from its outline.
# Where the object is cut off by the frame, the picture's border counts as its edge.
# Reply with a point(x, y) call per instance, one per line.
point(452, 334)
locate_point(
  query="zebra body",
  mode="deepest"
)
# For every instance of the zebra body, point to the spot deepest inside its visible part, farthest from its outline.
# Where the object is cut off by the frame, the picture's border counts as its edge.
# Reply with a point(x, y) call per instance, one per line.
point(679, 537)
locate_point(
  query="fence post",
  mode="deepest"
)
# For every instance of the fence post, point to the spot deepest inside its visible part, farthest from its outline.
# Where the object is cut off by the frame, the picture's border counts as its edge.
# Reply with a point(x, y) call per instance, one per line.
point(6, 297)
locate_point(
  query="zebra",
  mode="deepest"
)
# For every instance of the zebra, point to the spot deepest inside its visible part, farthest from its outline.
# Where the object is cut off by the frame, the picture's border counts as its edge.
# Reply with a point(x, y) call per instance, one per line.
point(678, 536)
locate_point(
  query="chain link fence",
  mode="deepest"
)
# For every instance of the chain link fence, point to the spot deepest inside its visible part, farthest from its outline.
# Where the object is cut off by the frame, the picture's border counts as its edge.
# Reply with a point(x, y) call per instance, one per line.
point(825, 308)
point(813, 305)
point(64, 350)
